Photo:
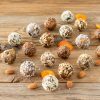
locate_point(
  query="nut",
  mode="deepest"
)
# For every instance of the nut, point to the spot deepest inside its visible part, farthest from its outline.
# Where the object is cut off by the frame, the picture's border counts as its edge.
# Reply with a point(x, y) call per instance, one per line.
point(9, 71)
point(81, 74)
point(32, 86)
point(69, 84)
point(97, 62)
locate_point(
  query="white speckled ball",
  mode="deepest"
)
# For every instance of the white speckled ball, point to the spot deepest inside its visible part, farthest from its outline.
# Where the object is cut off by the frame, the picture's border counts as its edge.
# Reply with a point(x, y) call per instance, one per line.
point(48, 59)
point(67, 16)
point(27, 69)
point(50, 83)
point(33, 29)
point(82, 41)
point(14, 39)
point(85, 61)
point(98, 51)
point(66, 31)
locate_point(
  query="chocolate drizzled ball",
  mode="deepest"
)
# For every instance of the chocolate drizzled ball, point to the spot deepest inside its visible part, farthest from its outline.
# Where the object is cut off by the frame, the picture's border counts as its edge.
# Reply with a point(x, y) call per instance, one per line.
point(66, 31)
point(67, 16)
point(33, 29)
point(27, 69)
point(85, 61)
point(8, 56)
point(46, 40)
point(97, 34)
point(65, 70)
point(14, 39)
point(29, 49)
point(63, 52)
point(80, 24)
point(50, 83)
point(50, 23)
point(82, 41)
point(98, 51)
point(48, 59)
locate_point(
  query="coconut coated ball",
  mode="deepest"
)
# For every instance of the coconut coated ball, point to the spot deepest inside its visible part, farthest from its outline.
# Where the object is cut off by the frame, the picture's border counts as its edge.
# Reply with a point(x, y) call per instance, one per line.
point(46, 40)
point(29, 49)
point(97, 34)
point(27, 69)
point(67, 16)
point(80, 24)
point(98, 51)
point(82, 41)
point(63, 52)
point(50, 83)
point(48, 59)
point(66, 31)
point(85, 61)
point(50, 23)
point(33, 29)
point(8, 56)
point(14, 39)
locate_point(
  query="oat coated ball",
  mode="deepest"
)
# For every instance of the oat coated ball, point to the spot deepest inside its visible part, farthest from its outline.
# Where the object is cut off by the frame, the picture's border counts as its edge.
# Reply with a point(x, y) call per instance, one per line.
point(50, 83)
point(98, 51)
point(97, 34)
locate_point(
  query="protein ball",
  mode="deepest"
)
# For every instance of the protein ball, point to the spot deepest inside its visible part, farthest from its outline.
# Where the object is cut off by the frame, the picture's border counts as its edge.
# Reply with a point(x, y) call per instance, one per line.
point(82, 41)
point(63, 52)
point(97, 34)
point(29, 49)
point(50, 23)
point(66, 31)
point(98, 51)
point(14, 39)
point(85, 61)
point(46, 40)
point(27, 69)
point(50, 83)
point(33, 29)
point(67, 16)
point(65, 70)
point(80, 24)
point(48, 59)
point(8, 56)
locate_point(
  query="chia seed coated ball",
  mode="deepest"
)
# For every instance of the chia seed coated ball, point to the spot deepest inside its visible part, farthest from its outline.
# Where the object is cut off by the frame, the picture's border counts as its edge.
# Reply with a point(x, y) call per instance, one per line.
point(50, 83)
point(29, 49)
point(82, 41)
point(50, 23)
point(67, 16)
point(46, 40)
point(97, 34)
point(85, 61)
point(66, 31)
point(33, 29)
point(27, 69)
point(80, 24)
point(8, 56)
point(65, 70)
point(14, 39)
point(63, 52)
point(48, 59)
point(98, 51)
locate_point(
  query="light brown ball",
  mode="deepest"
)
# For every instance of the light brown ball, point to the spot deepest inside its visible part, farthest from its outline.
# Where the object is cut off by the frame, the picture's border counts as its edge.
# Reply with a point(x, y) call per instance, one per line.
point(98, 51)
point(97, 34)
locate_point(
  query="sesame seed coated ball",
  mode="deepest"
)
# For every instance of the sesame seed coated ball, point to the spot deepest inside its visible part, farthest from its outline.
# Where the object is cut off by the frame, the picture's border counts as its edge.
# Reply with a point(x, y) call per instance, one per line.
point(98, 51)
point(50, 83)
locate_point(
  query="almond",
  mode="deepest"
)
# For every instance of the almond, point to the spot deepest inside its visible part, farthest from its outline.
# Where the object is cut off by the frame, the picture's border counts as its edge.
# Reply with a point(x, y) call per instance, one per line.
point(97, 62)
point(32, 86)
point(9, 71)
point(69, 84)
point(81, 74)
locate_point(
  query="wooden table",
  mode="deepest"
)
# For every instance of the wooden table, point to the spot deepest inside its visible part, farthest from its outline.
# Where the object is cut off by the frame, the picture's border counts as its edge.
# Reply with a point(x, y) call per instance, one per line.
point(16, 14)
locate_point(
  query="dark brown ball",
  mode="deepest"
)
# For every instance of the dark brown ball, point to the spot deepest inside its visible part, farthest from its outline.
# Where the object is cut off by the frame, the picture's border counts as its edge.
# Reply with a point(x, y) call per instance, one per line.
point(29, 49)
point(50, 23)
point(63, 52)
point(97, 34)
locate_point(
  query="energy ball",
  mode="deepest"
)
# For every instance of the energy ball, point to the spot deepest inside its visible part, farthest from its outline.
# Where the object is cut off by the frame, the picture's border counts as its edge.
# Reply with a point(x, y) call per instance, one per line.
point(97, 34)
point(14, 39)
point(48, 59)
point(67, 16)
point(50, 23)
point(65, 70)
point(50, 83)
point(98, 51)
point(27, 69)
point(66, 31)
point(63, 52)
point(33, 29)
point(46, 40)
point(8, 56)
point(80, 24)
point(82, 41)
point(29, 49)
point(85, 61)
